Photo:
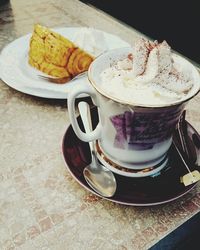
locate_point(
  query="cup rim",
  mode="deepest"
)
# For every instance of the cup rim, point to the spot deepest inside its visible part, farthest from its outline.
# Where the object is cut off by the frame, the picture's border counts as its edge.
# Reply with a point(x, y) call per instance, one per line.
point(139, 105)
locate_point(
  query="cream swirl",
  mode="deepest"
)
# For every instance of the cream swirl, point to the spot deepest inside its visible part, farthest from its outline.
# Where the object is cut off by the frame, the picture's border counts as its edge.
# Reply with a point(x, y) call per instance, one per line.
point(151, 73)
point(158, 67)
point(91, 40)
point(152, 63)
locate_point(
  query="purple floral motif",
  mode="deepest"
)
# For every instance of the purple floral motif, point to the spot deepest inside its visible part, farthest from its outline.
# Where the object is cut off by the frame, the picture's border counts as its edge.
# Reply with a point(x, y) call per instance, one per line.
point(141, 130)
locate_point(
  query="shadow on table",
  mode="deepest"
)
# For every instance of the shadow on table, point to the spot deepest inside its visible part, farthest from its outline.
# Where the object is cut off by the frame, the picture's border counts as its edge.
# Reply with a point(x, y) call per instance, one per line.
point(183, 238)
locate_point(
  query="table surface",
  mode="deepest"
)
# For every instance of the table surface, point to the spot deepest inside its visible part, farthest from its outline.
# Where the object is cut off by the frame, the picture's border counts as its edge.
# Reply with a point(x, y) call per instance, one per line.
point(41, 205)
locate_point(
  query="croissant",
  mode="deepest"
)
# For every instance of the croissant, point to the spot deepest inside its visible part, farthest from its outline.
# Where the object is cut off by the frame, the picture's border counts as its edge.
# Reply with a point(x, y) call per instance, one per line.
point(56, 55)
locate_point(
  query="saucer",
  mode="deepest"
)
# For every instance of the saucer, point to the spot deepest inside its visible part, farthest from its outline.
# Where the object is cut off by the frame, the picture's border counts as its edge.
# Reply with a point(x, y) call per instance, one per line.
point(143, 191)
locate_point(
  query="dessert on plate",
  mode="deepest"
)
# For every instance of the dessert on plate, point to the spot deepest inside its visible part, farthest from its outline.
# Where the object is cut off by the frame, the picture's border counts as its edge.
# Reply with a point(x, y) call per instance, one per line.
point(56, 55)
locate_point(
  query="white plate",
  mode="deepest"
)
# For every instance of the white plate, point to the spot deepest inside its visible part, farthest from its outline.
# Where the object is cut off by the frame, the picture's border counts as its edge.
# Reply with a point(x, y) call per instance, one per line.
point(18, 74)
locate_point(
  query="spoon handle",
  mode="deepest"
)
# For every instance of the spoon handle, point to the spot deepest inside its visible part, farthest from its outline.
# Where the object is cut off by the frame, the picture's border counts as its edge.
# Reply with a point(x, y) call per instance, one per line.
point(86, 119)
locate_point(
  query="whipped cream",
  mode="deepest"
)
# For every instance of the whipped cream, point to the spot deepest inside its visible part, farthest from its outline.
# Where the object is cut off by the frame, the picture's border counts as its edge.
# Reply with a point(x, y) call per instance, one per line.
point(149, 75)
point(91, 40)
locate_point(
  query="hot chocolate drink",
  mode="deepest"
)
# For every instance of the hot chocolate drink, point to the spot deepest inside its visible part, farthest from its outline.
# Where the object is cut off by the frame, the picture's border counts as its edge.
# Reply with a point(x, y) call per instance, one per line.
point(150, 74)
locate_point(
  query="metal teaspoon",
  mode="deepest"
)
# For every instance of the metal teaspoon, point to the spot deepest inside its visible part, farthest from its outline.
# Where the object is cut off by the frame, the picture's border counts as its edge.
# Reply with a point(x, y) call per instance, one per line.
point(98, 177)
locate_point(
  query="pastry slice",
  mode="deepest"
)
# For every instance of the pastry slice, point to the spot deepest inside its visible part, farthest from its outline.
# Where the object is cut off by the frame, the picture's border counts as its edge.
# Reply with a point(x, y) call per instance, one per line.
point(56, 55)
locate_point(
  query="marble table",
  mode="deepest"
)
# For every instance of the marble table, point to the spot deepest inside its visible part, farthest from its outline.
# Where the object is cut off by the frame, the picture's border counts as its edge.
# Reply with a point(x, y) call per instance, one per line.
point(41, 205)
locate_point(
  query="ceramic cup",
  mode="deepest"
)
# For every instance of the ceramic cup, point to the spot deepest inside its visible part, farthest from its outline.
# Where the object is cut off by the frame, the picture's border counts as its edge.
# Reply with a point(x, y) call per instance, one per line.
point(137, 135)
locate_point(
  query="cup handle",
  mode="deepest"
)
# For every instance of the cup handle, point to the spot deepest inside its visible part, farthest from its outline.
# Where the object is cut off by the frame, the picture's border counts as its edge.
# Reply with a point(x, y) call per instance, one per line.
point(88, 136)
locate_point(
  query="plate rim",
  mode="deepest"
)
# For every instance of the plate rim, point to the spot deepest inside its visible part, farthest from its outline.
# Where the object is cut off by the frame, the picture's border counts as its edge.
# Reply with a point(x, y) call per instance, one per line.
point(36, 91)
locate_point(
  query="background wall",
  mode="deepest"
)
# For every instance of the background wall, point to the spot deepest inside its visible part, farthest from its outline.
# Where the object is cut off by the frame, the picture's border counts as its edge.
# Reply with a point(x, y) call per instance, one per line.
point(177, 22)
